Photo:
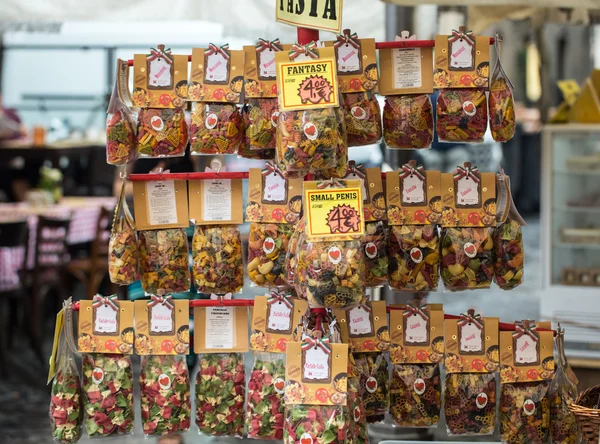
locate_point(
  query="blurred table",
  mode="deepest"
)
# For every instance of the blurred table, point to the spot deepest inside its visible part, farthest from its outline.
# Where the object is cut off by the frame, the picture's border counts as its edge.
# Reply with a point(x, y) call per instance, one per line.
point(83, 211)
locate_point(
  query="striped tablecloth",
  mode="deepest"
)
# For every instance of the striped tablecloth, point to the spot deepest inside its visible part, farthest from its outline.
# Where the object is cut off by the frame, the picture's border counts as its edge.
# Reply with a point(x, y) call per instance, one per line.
point(84, 213)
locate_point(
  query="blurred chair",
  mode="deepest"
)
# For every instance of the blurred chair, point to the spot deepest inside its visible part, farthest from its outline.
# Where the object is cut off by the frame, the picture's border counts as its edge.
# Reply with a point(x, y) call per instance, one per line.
point(92, 270)
point(48, 273)
point(14, 238)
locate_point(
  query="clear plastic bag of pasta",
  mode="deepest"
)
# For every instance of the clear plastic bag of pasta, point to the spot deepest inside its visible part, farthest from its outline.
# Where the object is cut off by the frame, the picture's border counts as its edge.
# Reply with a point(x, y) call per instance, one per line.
point(308, 140)
point(408, 121)
point(107, 394)
point(525, 412)
point(372, 371)
point(164, 264)
point(220, 394)
point(341, 152)
point(564, 428)
point(375, 253)
point(162, 132)
point(267, 246)
point(260, 123)
point(121, 144)
point(414, 257)
point(357, 414)
point(363, 118)
point(217, 128)
point(416, 395)
point(265, 407)
point(470, 403)
point(331, 272)
point(123, 252)
point(66, 409)
point(165, 395)
point(218, 259)
point(291, 259)
point(461, 115)
point(467, 258)
point(508, 243)
point(502, 103)
point(317, 423)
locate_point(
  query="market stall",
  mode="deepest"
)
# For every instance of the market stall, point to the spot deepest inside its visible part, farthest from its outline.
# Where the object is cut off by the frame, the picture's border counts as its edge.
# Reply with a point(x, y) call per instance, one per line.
point(328, 358)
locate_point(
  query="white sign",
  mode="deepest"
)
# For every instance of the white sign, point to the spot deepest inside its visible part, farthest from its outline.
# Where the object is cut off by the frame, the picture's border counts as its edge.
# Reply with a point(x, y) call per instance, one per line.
point(359, 322)
point(461, 55)
point(316, 364)
point(106, 319)
point(216, 68)
point(416, 329)
point(161, 319)
point(413, 190)
point(407, 68)
point(280, 317)
point(348, 58)
point(467, 192)
point(525, 350)
point(216, 203)
point(162, 205)
point(266, 62)
point(471, 338)
point(219, 327)
point(275, 188)
point(159, 75)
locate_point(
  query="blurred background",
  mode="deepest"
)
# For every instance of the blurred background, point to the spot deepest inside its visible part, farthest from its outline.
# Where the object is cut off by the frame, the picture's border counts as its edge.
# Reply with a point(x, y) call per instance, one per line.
point(57, 71)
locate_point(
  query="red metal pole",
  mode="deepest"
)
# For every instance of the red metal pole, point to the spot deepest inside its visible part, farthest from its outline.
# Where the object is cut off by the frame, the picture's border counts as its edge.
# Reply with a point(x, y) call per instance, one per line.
point(305, 35)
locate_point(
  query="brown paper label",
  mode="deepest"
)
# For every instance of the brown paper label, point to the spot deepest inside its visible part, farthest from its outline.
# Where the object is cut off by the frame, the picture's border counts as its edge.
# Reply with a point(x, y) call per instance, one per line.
point(413, 196)
point(217, 75)
point(365, 327)
point(316, 372)
point(260, 68)
point(471, 345)
point(417, 334)
point(220, 329)
point(160, 204)
point(527, 354)
point(356, 61)
point(461, 60)
point(162, 326)
point(105, 326)
point(160, 79)
point(273, 198)
point(273, 320)
point(406, 71)
point(468, 201)
point(216, 201)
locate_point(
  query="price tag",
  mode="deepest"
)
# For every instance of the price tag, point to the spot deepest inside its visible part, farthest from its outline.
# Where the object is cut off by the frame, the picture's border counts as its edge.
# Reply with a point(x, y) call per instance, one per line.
point(307, 84)
point(334, 213)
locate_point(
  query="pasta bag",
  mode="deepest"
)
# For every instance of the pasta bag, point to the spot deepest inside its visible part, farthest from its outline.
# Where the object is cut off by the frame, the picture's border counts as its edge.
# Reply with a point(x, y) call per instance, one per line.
point(107, 394)
point(461, 115)
point(165, 395)
point(260, 123)
point(502, 104)
point(123, 252)
point(363, 118)
point(218, 259)
point(217, 128)
point(267, 246)
point(121, 145)
point(525, 412)
point(162, 132)
point(358, 432)
point(372, 371)
point(408, 121)
point(375, 253)
point(66, 409)
point(265, 407)
point(220, 393)
point(164, 261)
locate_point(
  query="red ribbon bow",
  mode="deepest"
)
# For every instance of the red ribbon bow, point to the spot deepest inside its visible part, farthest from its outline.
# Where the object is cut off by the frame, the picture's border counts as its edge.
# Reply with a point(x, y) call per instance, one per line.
point(322, 343)
point(467, 171)
point(263, 44)
point(309, 50)
point(356, 169)
point(156, 53)
point(99, 301)
point(409, 170)
point(214, 49)
point(220, 297)
point(346, 37)
point(461, 34)
point(331, 183)
point(270, 169)
point(422, 311)
point(167, 301)
point(530, 330)
point(471, 317)
point(276, 296)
